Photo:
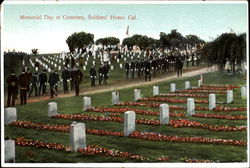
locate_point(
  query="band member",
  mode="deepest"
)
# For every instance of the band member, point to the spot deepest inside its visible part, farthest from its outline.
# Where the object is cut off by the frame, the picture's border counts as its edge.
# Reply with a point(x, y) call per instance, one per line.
point(12, 82)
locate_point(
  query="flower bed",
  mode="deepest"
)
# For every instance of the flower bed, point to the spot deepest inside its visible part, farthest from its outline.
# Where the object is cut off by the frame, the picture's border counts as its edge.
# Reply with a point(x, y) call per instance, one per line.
point(226, 86)
point(137, 111)
point(89, 150)
point(136, 134)
point(200, 91)
point(182, 95)
point(161, 137)
point(170, 100)
point(156, 105)
point(198, 161)
point(218, 116)
point(210, 88)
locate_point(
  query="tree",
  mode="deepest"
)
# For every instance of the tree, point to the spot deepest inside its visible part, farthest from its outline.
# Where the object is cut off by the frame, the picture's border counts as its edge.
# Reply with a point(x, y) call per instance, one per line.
point(34, 51)
point(172, 40)
point(108, 41)
point(226, 47)
point(142, 41)
point(79, 40)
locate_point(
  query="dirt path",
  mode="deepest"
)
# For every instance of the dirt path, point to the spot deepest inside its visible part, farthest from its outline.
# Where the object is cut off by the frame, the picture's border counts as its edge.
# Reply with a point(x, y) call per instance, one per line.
point(124, 84)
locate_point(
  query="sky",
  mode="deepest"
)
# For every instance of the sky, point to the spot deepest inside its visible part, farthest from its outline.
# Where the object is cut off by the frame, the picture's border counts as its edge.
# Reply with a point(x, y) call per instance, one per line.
point(204, 20)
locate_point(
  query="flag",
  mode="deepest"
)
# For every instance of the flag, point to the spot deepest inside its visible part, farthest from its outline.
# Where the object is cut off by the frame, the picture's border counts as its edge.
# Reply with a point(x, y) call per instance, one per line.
point(127, 32)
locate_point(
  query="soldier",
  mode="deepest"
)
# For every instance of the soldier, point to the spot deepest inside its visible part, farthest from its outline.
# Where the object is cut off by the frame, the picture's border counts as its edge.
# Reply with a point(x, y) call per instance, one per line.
point(179, 66)
point(52, 82)
point(29, 77)
point(43, 82)
point(57, 80)
point(34, 83)
point(65, 77)
point(23, 82)
point(77, 74)
point(147, 70)
point(92, 73)
point(132, 69)
point(12, 82)
point(100, 73)
point(105, 73)
point(127, 69)
point(138, 68)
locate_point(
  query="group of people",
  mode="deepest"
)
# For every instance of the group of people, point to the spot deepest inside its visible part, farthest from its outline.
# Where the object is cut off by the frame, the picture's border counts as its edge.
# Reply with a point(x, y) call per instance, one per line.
point(155, 64)
point(26, 82)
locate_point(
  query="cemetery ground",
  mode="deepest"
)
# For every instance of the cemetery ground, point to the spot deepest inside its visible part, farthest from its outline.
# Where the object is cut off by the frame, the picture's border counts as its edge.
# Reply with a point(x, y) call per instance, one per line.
point(151, 149)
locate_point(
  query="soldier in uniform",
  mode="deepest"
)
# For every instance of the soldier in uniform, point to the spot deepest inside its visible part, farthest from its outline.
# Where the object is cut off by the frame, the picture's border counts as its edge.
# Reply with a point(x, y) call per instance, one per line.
point(52, 82)
point(23, 82)
point(65, 77)
point(12, 82)
point(57, 80)
point(147, 70)
point(105, 73)
point(78, 76)
point(132, 68)
point(127, 69)
point(100, 73)
point(138, 68)
point(34, 83)
point(92, 73)
point(43, 81)
point(29, 77)
point(179, 66)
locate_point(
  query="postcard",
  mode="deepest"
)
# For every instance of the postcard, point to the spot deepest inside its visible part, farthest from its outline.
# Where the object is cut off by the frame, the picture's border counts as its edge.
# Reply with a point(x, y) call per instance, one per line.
point(124, 84)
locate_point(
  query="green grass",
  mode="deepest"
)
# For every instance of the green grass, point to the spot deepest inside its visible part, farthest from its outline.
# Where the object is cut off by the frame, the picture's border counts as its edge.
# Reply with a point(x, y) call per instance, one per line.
point(37, 112)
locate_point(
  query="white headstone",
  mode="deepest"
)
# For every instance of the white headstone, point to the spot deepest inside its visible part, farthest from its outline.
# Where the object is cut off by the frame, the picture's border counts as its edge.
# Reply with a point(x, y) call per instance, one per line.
point(155, 90)
point(9, 151)
point(115, 98)
point(36, 68)
point(172, 87)
point(212, 101)
point(187, 85)
point(86, 103)
point(10, 115)
point(129, 122)
point(49, 70)
point(77, 136)
point(164, 114)
point(84, 67)
point(243, 90)
point(229, 96)
point(121, 66)
point(52, 109)
point(137, 94)
point(190, 106)
point(199, 83)
point(112, 67)
point(59, 68)
point(118, 60)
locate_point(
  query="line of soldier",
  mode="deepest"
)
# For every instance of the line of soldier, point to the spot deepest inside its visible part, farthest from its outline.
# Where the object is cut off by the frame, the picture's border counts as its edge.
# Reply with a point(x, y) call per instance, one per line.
point(155, 63)
point(26, 82)
point(102, 74)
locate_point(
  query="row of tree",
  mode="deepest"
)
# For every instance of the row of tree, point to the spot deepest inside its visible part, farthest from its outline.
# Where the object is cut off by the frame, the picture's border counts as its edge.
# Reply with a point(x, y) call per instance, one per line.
point(228, 47)
point(172, 40)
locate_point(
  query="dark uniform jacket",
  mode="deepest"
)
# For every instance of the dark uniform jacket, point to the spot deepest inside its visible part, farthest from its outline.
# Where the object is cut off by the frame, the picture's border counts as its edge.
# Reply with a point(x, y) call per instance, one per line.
point(12, 82)
point(52, 79)
point(43, 78)
point(23, 81)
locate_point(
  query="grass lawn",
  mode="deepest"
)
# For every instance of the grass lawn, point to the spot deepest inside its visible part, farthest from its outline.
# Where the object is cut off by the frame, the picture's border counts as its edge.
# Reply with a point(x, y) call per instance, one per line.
point(177, 152)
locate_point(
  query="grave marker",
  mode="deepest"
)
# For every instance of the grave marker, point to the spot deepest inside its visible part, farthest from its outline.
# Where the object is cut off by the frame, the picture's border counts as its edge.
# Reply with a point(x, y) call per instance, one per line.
point(155, 90)
point(187, 85)
point(77, 136)
point(115, 98)
point(137, 94)
point(129, 122)
point(164, 114)
point(52, 109)
point(212, 101)
point(172, 87)
point(9, 151)
point(10, 115)
point(190, 106)
point(86, 103)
